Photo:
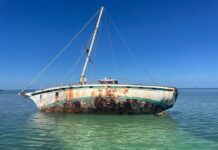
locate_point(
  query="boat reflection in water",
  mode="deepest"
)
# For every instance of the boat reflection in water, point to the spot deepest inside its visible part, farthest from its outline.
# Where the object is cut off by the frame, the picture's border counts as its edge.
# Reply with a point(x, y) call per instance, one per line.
point(108, 131)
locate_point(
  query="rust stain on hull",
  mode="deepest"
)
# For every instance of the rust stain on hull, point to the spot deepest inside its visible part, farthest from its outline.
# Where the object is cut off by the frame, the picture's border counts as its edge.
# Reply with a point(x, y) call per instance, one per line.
point(69, 94)
point(106, 99)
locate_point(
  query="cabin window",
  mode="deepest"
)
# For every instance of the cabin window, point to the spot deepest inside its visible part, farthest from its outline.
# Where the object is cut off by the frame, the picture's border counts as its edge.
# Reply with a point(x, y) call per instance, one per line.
point(56, 94)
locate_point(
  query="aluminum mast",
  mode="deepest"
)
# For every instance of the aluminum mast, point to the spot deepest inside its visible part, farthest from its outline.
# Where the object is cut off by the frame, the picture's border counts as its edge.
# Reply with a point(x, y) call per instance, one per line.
point(82, 77)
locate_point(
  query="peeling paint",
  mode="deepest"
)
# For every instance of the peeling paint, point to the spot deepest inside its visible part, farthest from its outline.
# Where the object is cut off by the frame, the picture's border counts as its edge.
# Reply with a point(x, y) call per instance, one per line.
point(106, 99)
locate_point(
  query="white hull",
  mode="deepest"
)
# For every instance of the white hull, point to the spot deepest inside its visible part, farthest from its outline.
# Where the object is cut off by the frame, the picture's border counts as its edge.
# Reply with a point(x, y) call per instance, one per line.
point(109, 98)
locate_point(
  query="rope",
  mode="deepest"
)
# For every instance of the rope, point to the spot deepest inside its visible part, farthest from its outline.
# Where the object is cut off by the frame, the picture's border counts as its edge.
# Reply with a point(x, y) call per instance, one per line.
point(60, 52)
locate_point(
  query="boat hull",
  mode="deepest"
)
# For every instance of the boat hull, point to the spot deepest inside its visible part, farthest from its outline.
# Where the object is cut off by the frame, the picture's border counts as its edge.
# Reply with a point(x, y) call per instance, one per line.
point(109, 99)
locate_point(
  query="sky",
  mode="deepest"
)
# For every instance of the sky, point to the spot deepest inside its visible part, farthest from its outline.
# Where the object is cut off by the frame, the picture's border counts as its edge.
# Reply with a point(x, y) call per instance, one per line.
point(154, 42)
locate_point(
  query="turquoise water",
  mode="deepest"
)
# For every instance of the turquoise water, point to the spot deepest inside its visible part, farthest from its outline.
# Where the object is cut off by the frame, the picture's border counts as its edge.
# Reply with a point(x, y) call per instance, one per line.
point(191, 124)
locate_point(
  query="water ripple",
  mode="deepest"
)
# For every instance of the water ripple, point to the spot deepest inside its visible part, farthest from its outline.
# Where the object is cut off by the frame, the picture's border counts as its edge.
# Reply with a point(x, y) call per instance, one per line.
point(191, 124)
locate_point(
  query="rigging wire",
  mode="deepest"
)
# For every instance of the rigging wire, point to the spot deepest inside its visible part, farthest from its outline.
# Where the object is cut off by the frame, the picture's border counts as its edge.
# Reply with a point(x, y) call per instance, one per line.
point(60, 52)
point(72, 67)
point(78, 60)
point(67, 73)
point(151, 77)
point(128, 48)
point(111, 47)
point(131, 54)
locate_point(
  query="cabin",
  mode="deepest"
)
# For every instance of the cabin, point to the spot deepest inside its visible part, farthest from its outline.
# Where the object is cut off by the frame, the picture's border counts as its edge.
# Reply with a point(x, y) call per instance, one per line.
point(108, 81)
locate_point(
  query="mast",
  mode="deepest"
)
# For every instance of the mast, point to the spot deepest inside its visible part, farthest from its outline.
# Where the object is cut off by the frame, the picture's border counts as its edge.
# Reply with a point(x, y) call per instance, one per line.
point(82, 77)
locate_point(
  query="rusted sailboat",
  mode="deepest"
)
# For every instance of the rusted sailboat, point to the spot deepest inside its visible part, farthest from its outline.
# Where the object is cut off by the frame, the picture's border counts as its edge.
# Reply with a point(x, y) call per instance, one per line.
point(108, 96)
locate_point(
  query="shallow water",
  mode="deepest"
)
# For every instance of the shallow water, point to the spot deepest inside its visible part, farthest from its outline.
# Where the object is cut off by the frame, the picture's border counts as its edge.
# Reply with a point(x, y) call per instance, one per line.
point(191, 124)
